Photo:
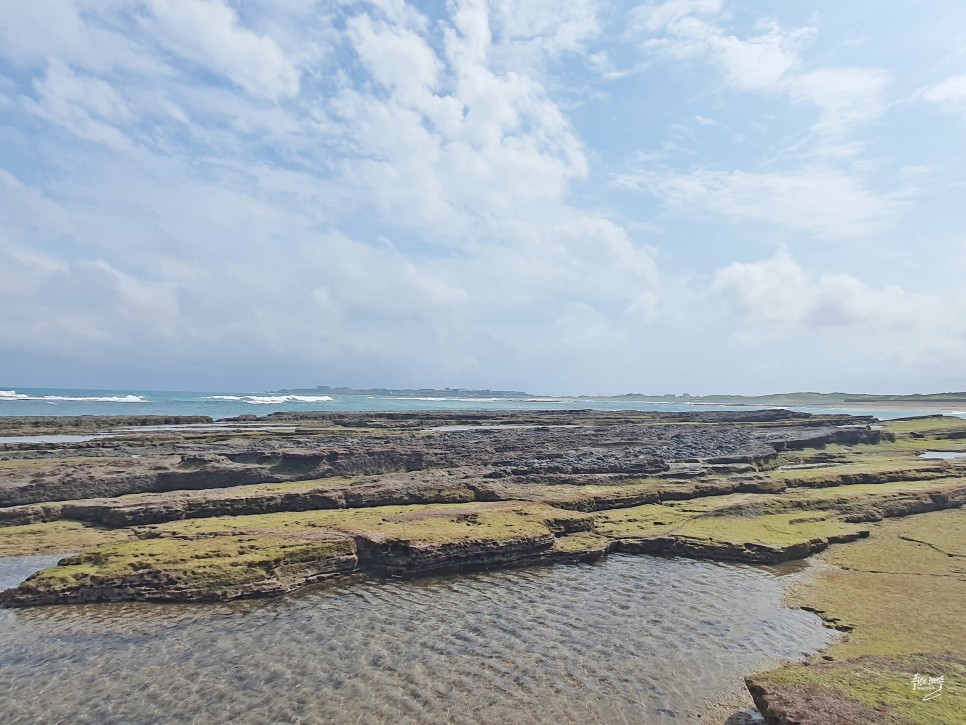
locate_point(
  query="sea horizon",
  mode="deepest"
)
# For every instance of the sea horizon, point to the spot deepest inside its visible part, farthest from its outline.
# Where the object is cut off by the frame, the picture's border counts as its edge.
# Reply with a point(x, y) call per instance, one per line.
point(48, 402)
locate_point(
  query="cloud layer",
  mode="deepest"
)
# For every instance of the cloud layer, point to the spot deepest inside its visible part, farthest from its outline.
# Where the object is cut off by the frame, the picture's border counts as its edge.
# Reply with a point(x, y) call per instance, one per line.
point(577, 196)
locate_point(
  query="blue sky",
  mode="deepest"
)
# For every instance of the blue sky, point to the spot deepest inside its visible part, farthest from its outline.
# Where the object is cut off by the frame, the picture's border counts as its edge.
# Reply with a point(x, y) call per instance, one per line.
point(573, 196)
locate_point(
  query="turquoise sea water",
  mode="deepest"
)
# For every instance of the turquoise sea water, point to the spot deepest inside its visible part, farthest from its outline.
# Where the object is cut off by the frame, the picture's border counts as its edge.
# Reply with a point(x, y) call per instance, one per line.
point(64, 401)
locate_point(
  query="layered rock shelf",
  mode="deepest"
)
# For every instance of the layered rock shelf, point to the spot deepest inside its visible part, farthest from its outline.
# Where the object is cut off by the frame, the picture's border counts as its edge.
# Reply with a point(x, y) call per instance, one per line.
point(248, 508)
point(412, 493)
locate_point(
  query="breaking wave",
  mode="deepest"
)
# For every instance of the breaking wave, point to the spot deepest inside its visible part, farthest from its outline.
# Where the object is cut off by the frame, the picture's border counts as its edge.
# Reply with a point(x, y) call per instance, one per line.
point(272, 399)
point(14, 395)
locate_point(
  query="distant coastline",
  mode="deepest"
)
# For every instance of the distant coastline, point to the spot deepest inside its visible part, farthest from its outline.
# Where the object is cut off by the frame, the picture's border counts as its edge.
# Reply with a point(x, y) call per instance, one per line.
point(945, 401)
point(405, 392)
point(797, 399)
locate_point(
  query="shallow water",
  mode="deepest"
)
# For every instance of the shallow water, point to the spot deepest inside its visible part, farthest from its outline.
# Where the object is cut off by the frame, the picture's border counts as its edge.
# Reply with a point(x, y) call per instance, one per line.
point(629, 639)
point(204, 428)
point(505, 426)
point(807, 466)
point(943, 455)
point(66, 438)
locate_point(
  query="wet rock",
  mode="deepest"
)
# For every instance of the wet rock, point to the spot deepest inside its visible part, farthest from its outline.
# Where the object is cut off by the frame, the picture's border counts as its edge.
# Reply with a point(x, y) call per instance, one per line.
point(746, 717)
point(272, 554)
point(868, 689)
point(749, 552)
point(501, 489)
point(235, 566)
point(66, 424)
point(417, 557)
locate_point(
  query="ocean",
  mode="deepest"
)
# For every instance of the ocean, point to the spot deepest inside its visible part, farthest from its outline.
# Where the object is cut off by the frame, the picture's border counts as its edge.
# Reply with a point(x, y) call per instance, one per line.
point(65, 401)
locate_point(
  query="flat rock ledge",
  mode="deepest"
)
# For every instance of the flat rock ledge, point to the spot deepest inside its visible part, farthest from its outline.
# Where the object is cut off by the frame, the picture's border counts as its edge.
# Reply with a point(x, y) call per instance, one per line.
point(213, 515)
point(748, 552)
point(871, 689)
point(185, 565)
point(272, 557)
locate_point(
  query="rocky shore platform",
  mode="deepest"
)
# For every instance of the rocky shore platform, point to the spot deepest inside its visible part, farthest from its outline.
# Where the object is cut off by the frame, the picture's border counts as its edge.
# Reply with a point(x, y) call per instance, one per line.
point(194, 510)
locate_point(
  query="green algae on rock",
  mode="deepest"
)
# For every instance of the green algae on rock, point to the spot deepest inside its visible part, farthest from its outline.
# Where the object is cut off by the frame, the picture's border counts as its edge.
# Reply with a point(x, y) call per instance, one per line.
point(57, 537)
point(232, 557)
point(754, 486)
point(869, 689)
point(766, 539)
point(899, 596)
point(218, 568)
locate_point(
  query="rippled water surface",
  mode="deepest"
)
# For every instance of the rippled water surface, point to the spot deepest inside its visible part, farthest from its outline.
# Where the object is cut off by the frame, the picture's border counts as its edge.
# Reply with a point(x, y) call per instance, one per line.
point(626, 640)
point(50, 439)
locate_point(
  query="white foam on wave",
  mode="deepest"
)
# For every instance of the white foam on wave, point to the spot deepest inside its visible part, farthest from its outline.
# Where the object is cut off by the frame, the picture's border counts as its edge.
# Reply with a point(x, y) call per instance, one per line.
point(272, 399)
point(14, 395)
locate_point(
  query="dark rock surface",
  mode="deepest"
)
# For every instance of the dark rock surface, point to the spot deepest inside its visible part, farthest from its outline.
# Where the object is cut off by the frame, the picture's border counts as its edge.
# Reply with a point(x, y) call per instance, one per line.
point(531, 447)
point(472, 485)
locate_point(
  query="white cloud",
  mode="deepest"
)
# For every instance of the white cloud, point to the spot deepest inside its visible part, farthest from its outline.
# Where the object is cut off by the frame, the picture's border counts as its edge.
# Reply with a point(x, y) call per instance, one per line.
point(846, 97)
point(677, 29)
point(548, 27)
point(761, 62)
point(769, 61)
point(401, 13)
point(950, 94)
point(61, 307)
point(781, 298)
point(170, 108)
point(208, 32)
point(492, 186)
point(828, 195)
point(419, 201)
point(656, 16)
point(22, 273)
point(87, 106)
point(950, 90)
point(27, 213)
point(73, 31)
point(397, 58)
point(822, 202)
point(452, 143)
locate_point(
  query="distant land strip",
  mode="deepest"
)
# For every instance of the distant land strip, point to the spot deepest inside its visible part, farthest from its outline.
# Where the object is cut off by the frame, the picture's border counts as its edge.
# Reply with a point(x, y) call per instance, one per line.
point(799, 398)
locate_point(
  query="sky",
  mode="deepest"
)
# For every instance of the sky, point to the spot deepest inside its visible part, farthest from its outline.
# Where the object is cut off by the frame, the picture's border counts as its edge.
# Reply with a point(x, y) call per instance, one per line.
point(558, 196)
